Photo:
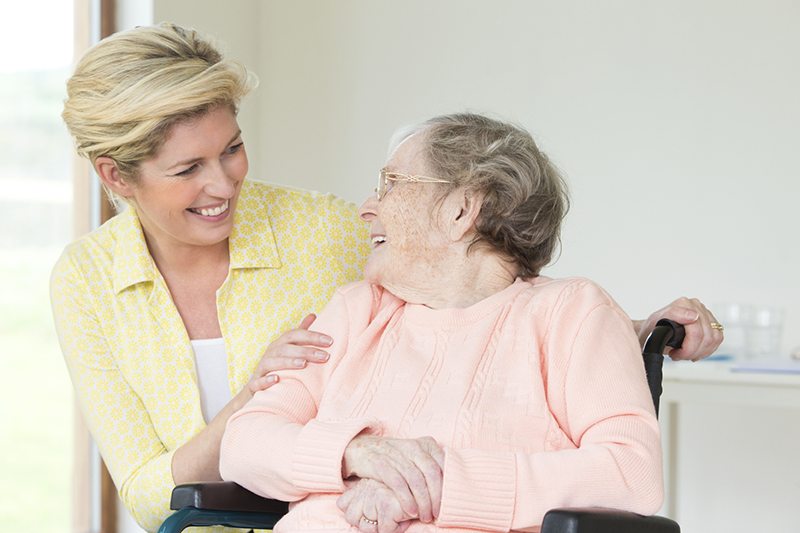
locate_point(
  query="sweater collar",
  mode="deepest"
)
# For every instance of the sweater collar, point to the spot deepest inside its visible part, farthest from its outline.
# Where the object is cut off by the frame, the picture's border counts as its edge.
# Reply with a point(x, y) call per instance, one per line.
point(451, 316)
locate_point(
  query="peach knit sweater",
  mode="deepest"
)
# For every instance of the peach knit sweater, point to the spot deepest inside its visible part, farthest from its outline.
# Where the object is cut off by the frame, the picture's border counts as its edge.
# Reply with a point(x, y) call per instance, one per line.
point(537, 395)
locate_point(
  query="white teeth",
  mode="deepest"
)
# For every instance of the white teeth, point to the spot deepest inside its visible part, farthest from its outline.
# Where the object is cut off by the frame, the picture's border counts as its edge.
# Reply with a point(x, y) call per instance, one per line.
point(379, 238)
point(213, 212)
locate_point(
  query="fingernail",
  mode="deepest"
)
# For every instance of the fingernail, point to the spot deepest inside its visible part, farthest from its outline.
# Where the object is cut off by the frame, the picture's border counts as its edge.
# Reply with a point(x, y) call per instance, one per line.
point(692, 315)
point(300, 363)
point(326, 340)
point(322, 356)
point(272, 378)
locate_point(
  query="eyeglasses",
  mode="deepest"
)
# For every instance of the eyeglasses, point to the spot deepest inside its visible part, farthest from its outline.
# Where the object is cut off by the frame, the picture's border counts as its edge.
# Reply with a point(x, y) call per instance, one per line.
point(385, 178)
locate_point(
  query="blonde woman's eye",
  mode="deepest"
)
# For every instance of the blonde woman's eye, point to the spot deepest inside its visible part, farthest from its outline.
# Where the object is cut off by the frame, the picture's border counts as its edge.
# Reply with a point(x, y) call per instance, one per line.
point(235, 148)
point(188, 171)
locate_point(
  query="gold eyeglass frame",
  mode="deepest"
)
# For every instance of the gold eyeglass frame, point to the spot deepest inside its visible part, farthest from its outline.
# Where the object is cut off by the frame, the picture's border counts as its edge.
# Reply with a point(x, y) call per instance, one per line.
point(385, 176)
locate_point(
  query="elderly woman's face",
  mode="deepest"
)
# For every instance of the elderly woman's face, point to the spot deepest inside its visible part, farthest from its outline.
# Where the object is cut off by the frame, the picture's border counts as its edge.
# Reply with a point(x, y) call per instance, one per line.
point(409, 247)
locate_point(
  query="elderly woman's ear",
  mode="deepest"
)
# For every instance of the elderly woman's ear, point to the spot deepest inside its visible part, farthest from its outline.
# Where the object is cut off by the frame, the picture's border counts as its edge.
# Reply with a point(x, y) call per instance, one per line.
point(463, 209)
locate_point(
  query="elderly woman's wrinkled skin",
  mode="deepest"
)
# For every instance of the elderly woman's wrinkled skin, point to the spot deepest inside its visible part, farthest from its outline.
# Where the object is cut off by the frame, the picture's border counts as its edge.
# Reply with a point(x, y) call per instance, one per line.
point(701, 339)
point(417, 240)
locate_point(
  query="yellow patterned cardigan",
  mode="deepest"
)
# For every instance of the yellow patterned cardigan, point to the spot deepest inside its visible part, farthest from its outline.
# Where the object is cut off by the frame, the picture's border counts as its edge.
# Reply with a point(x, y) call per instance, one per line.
point(128, 352)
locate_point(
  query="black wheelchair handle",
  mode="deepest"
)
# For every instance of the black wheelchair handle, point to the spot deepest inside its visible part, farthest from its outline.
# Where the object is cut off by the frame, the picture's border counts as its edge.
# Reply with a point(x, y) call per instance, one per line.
point(678, 332)
point(666, 333)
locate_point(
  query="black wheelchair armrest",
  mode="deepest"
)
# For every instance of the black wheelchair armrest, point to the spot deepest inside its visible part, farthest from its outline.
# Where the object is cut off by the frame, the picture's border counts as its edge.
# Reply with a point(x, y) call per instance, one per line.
point(223, 496)
point(221, 503)
point(597, 520)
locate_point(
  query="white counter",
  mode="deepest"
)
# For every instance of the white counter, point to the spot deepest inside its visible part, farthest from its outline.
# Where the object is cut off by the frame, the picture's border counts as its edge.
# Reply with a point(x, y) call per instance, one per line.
point(731, 448)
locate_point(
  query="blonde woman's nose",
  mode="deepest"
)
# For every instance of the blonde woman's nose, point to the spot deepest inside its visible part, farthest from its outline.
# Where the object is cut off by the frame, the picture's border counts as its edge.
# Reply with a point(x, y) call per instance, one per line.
point(219, 184)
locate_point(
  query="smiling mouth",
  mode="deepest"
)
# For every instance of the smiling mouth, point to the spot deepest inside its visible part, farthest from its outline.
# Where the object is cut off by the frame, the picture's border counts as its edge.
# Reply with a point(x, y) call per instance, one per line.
point(378, 239)
point(211, 212)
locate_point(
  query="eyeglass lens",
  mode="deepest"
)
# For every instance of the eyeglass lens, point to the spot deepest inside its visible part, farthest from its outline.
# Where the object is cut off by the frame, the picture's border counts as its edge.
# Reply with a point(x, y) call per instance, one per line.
point(384, 184)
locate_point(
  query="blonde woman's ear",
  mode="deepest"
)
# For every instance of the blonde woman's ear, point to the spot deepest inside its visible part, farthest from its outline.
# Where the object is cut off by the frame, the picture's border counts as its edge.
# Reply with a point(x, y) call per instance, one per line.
point(110, 176)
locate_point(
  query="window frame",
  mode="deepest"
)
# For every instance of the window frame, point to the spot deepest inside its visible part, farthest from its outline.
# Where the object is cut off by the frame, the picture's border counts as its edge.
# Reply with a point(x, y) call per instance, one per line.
point(94, 496)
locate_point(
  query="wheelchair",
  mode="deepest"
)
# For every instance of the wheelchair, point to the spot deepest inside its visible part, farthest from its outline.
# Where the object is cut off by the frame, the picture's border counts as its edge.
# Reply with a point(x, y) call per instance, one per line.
point(227, 504)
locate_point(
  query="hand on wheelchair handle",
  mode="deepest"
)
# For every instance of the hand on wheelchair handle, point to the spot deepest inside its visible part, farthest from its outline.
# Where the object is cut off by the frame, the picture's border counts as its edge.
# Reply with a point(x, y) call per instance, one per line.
point(701, 339)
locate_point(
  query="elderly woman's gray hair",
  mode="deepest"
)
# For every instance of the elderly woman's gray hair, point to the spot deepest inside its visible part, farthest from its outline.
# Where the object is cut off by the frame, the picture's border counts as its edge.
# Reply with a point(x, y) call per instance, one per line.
point(525, 197)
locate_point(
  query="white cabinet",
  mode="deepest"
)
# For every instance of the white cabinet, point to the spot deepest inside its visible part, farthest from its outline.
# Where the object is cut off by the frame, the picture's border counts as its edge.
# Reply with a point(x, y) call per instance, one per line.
point(731, 449)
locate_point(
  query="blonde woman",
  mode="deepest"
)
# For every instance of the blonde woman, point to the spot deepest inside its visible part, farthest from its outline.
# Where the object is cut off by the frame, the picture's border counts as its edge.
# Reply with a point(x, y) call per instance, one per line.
point(166, 313)
point(172, 314)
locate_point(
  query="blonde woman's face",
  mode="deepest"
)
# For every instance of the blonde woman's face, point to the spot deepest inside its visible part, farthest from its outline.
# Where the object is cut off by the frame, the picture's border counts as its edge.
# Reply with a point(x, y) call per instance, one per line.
point(187, 194)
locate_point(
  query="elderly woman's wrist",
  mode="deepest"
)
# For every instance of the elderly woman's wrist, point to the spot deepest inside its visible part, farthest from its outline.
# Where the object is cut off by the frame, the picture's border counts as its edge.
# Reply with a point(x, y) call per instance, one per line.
point(638, 326)
point(352, 452)
point(348, 459)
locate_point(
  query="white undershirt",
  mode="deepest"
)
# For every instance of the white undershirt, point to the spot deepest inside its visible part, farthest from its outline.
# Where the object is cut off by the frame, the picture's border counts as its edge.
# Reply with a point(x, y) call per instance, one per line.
point(211, 363)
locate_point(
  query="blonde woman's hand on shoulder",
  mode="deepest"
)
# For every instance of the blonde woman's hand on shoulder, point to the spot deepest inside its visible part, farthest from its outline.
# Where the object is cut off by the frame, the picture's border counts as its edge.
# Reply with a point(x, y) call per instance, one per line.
point(291, 351)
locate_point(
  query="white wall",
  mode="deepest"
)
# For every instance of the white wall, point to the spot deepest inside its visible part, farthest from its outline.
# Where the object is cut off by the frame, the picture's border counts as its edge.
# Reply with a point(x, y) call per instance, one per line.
point(677, 123)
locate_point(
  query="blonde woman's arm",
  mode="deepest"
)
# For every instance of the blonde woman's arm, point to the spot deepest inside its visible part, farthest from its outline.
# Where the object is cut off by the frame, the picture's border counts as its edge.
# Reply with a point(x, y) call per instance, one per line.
point(120, 424)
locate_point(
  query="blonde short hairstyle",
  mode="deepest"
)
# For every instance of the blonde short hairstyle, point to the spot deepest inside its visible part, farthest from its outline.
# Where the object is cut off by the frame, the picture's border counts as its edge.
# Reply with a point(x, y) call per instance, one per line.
point(525, 197)
point(131, 88)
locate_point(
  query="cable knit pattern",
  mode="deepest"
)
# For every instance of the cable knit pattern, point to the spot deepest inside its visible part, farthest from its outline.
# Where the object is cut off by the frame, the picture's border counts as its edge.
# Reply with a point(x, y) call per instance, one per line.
point(128, 352)
point(537, 394)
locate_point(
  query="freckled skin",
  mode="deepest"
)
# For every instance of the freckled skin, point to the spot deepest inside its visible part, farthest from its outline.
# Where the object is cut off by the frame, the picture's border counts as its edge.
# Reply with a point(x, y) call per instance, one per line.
point(416, 250)
point(425, 258)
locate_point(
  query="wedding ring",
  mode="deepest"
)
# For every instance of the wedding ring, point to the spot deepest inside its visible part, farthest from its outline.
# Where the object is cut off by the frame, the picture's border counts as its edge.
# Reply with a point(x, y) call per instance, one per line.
point(368, 521)
point(717, 325)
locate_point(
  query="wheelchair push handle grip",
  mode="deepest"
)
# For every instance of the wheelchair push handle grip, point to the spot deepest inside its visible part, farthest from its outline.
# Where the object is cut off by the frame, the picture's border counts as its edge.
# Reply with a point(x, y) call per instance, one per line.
point(666, 333)
point(678, 332)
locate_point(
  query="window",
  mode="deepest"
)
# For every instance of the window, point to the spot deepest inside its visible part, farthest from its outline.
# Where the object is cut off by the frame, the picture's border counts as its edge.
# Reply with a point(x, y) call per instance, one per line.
point(36, 399)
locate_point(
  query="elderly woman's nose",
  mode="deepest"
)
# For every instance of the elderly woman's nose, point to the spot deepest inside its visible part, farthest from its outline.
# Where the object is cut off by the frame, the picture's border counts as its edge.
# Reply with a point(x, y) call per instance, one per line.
point(369, 208)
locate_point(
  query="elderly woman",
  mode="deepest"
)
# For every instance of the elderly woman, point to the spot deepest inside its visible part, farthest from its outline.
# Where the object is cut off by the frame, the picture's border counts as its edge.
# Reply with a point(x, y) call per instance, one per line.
point(464, 390)
point(172, 314)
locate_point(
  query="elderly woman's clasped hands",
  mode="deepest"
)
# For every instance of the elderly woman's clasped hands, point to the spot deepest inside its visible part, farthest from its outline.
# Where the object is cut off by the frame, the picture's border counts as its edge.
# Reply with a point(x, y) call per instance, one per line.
point(398, 480)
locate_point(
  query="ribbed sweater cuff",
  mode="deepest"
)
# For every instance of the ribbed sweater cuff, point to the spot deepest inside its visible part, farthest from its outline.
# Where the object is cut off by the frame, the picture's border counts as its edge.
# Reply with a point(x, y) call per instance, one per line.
point(479, 490)
point(317, 464)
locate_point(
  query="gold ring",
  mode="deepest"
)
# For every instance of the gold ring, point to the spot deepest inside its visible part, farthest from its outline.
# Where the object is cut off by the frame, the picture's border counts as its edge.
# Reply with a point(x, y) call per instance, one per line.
point(717, 325)
point(368, 521)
